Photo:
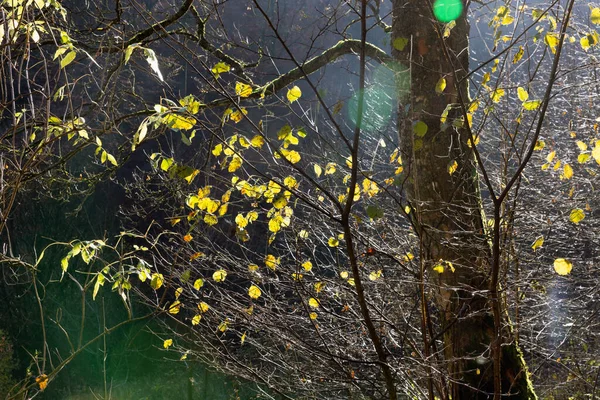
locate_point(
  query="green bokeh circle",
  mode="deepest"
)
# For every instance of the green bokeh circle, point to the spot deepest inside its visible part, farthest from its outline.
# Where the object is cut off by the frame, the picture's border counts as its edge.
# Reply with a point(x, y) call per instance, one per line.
point(447, 10)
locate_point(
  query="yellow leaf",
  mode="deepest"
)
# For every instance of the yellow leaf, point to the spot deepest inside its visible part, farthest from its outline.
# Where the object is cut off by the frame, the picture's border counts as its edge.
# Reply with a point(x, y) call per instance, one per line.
point(452, 167)
point(522, 93)
point(167, 343)
point(552, 39)
point(497, 95)
point(313, 315)
point(518, 55)
point(254, 292)
point(237, 115)
point(318, 170)
point(203, 307)
point(241, 221)
point(562, 266)
point(576, 216)
point(219, 68)
point(303, 234)
point(330, 168)
point(374, 275)
point(235, 164)
point(294, 94)
point(198, 283)
point(243, 90)
point(271, 262)
point(219, 275)
point(531, 105)
point(595, 16)
point(175, 307)
point(439, 268)
point(440, 85)
point(187, 238)
point(291, 155)
point(223, 326)
point(157, 281)
point(42, 381)
point(196, 319)
point(596, 152)
point(344, 274)
point(333, 242)
point(583, 158)
point(319, 286)
point(582, 146)
point(217, 150)
point(307, 265)
point(537, 243)
point(550, 156)
point(314, 303)
point(567, 172)
point(257, 141)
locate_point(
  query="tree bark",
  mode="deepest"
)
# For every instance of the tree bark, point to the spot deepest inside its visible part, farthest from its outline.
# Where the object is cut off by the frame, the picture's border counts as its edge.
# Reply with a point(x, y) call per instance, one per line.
point(443, 187)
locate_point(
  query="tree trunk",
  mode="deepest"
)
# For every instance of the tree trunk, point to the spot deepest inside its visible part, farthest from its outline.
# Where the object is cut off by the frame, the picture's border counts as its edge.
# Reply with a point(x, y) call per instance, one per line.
point(442, 185)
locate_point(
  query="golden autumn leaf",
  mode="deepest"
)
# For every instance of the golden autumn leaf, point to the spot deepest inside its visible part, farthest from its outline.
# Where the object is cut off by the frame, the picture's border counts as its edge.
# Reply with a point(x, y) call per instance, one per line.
point(167, 343)
point(294, 94)
point(537, 243)
point(219, 275)
point(42, 381)
point(314, 303)
point(576, 216)
point(254, 292)
point(562, 266)
point(243, 90)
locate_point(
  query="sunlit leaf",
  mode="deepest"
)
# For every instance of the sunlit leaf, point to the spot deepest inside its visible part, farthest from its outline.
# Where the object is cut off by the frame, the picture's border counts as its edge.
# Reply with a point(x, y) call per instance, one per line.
point(243, 90)
point(318, 170)
point(552, 39)
point(307, 265)
point(42, 381)
point(203, 307)
point(452, 167)
point(254, 292)
point(497, 95)
point(175, 307)
point(577, 215)
point(196, 319)
point(220, 68)
point(271, 262)
point(518, 55)
point(294, 94)
point(440, 85)
point(595, 15)
point(532, 104)
point(314, 303)
point(257, 141)
point(562, 266)
point(537, 243)
point(522, 93)
point(157, 281)
point(333, 242)
point(219, 275)
point(68, 58)
point(167, 343)
point(567, 172)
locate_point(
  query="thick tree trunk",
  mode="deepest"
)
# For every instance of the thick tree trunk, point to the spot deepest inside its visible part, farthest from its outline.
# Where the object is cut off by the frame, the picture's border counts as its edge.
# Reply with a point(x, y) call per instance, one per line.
point(447, 202)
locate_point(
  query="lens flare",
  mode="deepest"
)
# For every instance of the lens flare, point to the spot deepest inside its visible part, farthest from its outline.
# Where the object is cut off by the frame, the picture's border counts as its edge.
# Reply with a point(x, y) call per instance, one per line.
point(447, 10)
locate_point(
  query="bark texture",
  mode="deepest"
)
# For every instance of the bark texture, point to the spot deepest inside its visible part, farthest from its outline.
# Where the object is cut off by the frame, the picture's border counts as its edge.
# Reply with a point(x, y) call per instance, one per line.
point(443, 186)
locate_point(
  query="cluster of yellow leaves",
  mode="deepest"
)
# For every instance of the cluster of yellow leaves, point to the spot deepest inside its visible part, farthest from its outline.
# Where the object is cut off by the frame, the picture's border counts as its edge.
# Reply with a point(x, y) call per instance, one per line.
point(442, 265)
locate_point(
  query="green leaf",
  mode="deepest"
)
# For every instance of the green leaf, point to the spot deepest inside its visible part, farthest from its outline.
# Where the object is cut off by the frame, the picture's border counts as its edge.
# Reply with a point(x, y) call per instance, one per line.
point(400, 43)
point(374, 212)
point(68, 59)
point(420, 128)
